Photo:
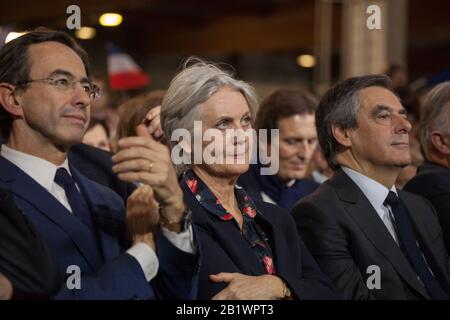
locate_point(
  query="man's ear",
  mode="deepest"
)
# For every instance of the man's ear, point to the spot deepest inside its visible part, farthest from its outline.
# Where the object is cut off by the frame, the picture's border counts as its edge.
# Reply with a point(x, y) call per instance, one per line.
point(342, 136)
point(441, 142)
point(9, 101)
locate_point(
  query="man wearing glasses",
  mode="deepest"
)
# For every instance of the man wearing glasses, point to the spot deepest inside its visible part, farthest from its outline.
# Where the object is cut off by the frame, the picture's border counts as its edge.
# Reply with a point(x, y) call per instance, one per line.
point(45, 96)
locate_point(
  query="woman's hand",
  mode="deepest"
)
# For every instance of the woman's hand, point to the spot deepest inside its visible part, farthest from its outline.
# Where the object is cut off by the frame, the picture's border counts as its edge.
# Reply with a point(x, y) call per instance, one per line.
point(153, 123)
point(143, 159)
point(243, 287)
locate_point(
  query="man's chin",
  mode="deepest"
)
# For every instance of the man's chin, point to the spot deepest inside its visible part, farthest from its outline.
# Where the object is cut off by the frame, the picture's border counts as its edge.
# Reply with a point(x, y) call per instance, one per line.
point(403, 164)
point(68, 142)
point(292, 176)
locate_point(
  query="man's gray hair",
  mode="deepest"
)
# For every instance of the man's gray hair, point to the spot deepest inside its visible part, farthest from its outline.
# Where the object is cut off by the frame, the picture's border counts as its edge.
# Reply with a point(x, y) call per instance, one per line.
point(434, 114)
point(339, 107)
point(195, 84)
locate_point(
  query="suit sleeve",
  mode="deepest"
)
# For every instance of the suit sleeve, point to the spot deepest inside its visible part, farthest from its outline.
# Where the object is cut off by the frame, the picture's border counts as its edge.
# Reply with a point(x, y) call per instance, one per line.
point(311, 283)
point(24, 257)
point(330, 247)
point(119, 279)
point(124, 279)
point(218, 261)
point(177, 276)
point(441, 203)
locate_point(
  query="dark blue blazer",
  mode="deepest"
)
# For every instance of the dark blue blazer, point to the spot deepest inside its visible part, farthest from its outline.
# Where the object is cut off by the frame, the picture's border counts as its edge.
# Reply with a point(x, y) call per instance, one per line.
point(224, 250)
point(107, 271)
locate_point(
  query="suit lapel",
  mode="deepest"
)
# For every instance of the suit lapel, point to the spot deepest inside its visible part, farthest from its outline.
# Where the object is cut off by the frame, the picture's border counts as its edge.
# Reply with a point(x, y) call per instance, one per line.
point(365, 216)
point(424, 238)
point(105, 216)
point(30, 191)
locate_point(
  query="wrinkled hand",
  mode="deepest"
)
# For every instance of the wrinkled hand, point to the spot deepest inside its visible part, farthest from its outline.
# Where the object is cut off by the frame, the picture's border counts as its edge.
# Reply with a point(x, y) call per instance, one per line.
point(243, 287)
point(6, 289)
point(142, 215)
point(143, 159)
point(153, 123)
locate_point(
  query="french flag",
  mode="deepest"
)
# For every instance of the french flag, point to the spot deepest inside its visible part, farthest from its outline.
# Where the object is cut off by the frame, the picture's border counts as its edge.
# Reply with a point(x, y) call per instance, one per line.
point(123, 72)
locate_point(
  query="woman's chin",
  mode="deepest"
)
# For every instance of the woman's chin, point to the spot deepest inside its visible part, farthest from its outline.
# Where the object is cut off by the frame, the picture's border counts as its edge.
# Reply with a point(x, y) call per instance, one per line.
point(229, 170)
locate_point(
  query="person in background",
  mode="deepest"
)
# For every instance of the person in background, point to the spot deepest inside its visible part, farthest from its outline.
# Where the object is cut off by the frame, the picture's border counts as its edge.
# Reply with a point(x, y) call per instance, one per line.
point(319, 170)
point(97, 135)
point(433, 178)
point(399, 77)
point(104, 110)
point(292, 112)
point(141, 109)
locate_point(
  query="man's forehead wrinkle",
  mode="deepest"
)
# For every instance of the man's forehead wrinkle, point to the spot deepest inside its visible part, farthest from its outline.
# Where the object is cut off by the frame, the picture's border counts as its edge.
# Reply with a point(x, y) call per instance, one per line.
point(53, 55)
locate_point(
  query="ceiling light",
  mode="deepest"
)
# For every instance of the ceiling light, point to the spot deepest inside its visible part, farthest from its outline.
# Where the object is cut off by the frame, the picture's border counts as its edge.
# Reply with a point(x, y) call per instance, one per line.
point(306, 61)
point(85, 33)
point(110, 19)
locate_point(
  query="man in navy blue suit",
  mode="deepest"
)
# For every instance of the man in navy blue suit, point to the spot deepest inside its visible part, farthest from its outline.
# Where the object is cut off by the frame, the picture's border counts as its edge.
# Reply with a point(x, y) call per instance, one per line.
point(101, 251)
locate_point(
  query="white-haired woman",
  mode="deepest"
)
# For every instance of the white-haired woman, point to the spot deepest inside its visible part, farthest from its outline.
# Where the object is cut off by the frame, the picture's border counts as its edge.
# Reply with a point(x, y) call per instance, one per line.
point(250, 249)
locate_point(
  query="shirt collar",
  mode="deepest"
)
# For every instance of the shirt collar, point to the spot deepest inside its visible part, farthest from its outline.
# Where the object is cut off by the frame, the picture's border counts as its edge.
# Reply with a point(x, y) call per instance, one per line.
point(40, 170)
point(212, 204)
point(374, 191)
point(291, 183)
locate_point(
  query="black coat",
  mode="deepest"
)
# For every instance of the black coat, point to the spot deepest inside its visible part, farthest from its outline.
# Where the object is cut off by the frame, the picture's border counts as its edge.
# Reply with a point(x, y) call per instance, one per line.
point(24, 257)
point(224, 250)
point(346, 236)
point(433, 182)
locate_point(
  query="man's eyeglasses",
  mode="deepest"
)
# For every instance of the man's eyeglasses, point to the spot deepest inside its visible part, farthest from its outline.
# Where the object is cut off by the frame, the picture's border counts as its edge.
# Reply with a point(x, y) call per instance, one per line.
point(65, 84)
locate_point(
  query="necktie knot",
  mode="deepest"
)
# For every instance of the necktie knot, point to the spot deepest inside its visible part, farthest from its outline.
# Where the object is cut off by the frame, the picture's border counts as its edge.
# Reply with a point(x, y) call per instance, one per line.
point(63, 178)
point(392, 199)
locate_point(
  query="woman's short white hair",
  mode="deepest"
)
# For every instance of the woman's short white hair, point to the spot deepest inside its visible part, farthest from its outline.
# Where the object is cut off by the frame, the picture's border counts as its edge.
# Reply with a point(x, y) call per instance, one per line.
point(195, 84)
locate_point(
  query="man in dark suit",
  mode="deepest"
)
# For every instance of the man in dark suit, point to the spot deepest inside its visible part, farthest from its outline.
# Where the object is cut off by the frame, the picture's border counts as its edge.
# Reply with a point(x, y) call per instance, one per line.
point(433, 178)
point(26, 264)
point(45, 95)
point(373, 241)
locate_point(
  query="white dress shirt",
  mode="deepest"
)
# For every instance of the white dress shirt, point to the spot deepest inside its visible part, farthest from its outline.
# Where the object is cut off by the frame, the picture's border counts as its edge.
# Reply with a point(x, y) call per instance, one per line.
point(43, 172)
point(318, 177)
point(265, 197)
point(376, 193)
